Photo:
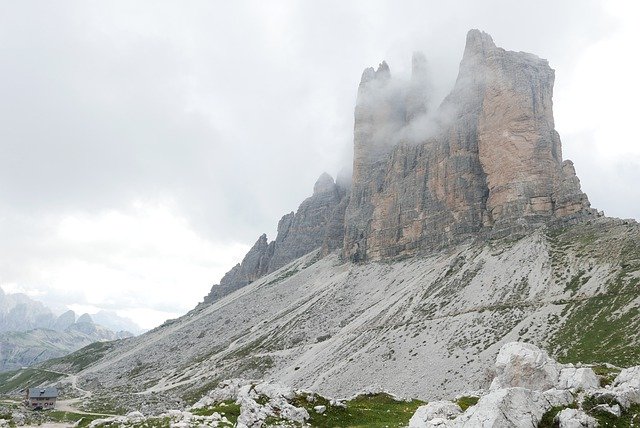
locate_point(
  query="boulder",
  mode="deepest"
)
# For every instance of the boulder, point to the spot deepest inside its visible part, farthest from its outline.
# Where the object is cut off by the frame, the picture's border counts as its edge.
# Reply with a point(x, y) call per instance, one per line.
point(320, 409)
point(626, 387)
point(507, 407)
point(629, 378)
point(525, 365)
point(558, 397)
point(574, 418)
point(434, 412)
point(582, 378)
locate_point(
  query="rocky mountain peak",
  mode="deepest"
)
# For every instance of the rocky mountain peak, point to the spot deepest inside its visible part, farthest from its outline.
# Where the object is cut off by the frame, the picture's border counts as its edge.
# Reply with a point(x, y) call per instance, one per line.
point(478, 43)
point(489, 162)
point(85, 318)
point(486, 163)
point(324, 184)
point(383, 73)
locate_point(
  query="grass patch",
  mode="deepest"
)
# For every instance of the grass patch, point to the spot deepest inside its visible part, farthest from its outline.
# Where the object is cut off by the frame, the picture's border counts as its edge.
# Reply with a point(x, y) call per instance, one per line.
point(606, 374)
point(374, 411)
point(192, 395)
point(228, 409)
point(84, 357)
point(629, 417)
point(547, 420)
point(466, 402)
point(18, 380)
point(598, 329)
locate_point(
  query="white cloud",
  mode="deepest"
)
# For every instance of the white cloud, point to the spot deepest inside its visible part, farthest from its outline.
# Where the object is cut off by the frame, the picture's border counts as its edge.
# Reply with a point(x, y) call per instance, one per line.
point(596, 114)
point(146, 261)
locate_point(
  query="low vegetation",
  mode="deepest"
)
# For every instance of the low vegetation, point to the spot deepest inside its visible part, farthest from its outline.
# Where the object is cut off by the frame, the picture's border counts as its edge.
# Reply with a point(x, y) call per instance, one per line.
point(82, 358)
point(228, 409)
point(15, 381)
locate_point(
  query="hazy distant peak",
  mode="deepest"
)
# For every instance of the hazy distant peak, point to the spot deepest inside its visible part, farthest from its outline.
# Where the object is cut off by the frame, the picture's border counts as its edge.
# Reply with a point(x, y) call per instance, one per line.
point(85, 318)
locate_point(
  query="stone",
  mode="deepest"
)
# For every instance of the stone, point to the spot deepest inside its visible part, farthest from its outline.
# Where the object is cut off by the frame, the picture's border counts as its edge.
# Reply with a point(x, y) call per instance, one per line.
point(507, 407)
point(578, 378)
point(628, 378)
point(525, 365)
point(625, 388)
point(575, 418)
point(435, 410)
point(558, 397)
point(320, 409)
point(135, 416)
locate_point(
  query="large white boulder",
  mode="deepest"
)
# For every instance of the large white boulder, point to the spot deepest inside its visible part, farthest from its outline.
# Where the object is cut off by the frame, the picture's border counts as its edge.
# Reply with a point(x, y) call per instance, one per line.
point(433, 413)
point(525, 365)
point(582, 378)
point(574, 418)
point(558, 397)
point(628, 378)
point(626, 387)
point(508, 407)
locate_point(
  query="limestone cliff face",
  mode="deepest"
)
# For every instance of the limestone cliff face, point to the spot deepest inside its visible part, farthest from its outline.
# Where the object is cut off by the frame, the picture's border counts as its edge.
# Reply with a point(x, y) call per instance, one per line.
point(488, 161)
point(316, 224)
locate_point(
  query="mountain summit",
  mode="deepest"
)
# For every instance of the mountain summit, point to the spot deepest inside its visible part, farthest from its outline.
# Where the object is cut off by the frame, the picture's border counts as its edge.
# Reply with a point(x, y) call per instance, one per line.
point(486, 163)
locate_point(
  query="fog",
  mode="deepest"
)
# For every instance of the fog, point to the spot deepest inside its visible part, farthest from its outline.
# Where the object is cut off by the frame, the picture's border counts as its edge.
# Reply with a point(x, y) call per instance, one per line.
point(144, 146)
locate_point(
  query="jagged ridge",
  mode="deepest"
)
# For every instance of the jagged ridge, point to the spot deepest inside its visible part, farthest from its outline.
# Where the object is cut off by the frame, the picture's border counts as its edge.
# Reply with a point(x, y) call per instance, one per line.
point(487, 162)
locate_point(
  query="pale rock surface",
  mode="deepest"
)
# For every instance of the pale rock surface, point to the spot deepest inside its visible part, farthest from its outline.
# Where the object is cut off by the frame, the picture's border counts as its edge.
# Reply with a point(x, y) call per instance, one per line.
point(558, 397)
point(578, 378)
point(525, 365)
point(507, 407)
point(434, 413)
point(135, 416)
point(575, 418)
point(628, 378)
point(625, 388)
point(247, 393)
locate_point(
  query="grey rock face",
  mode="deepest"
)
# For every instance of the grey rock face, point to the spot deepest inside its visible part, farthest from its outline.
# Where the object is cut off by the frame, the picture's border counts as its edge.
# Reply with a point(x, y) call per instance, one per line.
point(487, 161)
point(317, 223)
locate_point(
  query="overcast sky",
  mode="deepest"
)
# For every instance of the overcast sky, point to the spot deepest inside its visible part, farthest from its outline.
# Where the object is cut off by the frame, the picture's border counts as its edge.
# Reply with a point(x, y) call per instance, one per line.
point(145, 145)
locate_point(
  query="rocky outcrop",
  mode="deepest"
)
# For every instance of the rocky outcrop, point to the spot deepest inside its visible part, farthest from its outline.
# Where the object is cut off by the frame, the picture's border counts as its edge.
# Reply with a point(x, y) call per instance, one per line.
point(487, 161)
point(528, 385)
point(316, 224)
point(523, 364)
point(434, 413)
point(304, 231)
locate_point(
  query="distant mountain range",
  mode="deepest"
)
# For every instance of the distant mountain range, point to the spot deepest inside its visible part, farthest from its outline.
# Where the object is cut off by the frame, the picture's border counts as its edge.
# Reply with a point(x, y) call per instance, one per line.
point(30, 332)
